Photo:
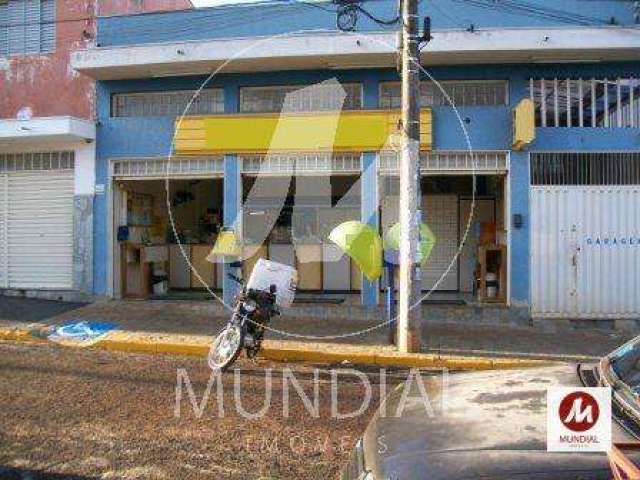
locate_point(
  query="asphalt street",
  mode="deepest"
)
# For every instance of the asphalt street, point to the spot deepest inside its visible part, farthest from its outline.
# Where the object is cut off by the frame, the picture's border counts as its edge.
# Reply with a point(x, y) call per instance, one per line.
point(84, 413)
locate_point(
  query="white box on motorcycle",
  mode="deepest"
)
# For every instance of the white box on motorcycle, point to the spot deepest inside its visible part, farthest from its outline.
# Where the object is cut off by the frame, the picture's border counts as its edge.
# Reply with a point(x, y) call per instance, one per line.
point(266, 273)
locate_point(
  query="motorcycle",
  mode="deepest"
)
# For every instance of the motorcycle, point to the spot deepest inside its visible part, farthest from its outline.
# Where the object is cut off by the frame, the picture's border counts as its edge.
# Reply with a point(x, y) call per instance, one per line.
point(255, 305)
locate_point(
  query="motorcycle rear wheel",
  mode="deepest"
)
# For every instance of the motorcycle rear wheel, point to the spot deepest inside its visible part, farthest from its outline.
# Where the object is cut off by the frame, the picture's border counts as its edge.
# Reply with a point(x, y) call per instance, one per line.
point(226, 348)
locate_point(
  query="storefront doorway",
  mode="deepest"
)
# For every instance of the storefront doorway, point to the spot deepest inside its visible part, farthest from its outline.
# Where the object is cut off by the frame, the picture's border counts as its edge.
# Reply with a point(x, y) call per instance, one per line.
point(289, 219)
point(466, 228)
point(153, 261)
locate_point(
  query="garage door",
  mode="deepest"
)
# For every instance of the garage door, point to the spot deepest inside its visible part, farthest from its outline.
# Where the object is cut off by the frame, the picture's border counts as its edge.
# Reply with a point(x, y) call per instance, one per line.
point(4, 259)
point(585, 235)
point(37, 227)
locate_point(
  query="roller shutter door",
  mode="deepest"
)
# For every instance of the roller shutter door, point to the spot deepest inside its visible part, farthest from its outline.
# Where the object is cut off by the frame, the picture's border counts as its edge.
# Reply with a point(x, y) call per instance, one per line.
point(36, 220)
point(3, 231)
point(40, 230)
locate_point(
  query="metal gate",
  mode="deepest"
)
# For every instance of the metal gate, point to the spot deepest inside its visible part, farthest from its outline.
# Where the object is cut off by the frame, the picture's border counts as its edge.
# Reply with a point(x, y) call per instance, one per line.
point(36, 220)
point(4, 257)
point(585, 251)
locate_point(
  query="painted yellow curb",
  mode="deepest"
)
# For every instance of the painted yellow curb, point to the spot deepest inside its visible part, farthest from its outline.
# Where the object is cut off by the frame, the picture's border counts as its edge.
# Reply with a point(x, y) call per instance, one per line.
point(283, 351)
point(156, 344)
point(19, 335)
point(395, 359)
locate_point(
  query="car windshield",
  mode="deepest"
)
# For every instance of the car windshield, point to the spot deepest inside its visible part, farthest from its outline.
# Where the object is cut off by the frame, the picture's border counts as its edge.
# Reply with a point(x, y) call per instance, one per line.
point(625, 362)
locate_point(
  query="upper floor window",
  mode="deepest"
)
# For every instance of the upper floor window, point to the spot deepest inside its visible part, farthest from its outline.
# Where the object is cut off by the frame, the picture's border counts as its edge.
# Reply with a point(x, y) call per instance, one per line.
point(56, 160)
point(27, 27)
point(324, 96)
point(585, 168)
point(462, 93)
point(607, 103)
point(167, 104)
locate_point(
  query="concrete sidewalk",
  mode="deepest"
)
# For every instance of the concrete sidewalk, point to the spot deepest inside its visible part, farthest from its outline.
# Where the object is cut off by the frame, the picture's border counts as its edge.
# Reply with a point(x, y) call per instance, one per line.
point(188, 328)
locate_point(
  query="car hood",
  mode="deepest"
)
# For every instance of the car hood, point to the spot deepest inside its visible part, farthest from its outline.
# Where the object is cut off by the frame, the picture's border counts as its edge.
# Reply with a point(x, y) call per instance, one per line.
point(489, 424)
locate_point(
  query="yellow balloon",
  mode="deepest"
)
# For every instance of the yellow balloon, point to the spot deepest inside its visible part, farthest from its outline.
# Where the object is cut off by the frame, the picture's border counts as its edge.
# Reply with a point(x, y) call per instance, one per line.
point(363, 244)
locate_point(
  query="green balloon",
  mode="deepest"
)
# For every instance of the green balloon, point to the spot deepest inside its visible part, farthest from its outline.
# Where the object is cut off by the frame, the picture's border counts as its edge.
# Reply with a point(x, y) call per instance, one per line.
point(427, 241)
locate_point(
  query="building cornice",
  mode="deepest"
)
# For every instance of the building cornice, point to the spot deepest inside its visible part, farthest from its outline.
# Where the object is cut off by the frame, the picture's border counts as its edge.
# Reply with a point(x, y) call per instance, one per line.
point(337, 50)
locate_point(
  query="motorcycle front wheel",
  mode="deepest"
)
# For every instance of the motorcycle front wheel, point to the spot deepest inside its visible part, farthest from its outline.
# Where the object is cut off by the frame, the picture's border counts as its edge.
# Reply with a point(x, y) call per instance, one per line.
point(226, 348)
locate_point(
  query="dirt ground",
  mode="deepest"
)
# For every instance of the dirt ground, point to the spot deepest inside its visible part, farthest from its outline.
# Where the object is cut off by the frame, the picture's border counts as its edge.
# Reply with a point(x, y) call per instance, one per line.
point(82, 413)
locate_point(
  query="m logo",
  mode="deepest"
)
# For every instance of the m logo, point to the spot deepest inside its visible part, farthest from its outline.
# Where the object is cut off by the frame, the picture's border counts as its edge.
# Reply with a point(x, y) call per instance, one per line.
point(579, 411)
point(578, 419)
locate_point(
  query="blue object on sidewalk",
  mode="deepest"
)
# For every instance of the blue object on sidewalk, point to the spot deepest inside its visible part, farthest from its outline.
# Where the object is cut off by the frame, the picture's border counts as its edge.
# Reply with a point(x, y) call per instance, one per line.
point(81, 333)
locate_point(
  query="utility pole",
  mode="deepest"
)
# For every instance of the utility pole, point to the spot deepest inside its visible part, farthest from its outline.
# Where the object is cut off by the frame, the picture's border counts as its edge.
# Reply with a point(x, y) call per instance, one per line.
point(409, 319)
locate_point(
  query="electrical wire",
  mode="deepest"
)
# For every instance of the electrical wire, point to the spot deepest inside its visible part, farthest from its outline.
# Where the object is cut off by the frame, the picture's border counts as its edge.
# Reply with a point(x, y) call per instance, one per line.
point(463, 24)
point(377, 20)
point(222, 20)
point(510, 6)
point(218, 12)
point(47, 22)
point(535, 11)
point(220, 17)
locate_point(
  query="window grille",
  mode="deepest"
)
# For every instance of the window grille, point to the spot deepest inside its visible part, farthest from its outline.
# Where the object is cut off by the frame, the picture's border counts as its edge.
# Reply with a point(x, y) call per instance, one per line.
point(300, 98)
point(16, 162)
point(27, 27)
point(301, 163)
point(599, 168)
point(157, 167)
point(462, 93)
point(166, 104)
point(605, 103)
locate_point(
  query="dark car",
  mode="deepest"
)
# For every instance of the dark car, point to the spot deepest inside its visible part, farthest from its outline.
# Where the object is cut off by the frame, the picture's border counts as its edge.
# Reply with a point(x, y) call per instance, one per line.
point(492, 425)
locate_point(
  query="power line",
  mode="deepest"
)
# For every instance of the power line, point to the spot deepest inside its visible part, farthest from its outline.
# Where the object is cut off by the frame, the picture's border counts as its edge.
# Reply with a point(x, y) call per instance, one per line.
point(221, 19)
point(510, 6)
point(46, 22)
point(454, 20)
point(535, 11)
point(347, 15)
point(216, 12)
point(378, 20)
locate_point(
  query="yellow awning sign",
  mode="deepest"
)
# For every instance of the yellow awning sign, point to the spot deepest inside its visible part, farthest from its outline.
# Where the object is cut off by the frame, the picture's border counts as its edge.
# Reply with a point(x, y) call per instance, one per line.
point(227, 245)
point(524, 124)
point(427, 241)
point(346, 131)
point(363, 244)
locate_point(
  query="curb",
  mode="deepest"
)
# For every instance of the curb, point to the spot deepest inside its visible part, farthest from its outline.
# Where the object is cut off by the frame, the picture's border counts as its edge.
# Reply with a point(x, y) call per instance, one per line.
point(287, 351)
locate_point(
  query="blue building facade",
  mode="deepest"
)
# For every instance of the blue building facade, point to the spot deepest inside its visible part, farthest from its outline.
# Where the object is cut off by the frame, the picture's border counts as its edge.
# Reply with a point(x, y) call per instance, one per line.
point(578, 65)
